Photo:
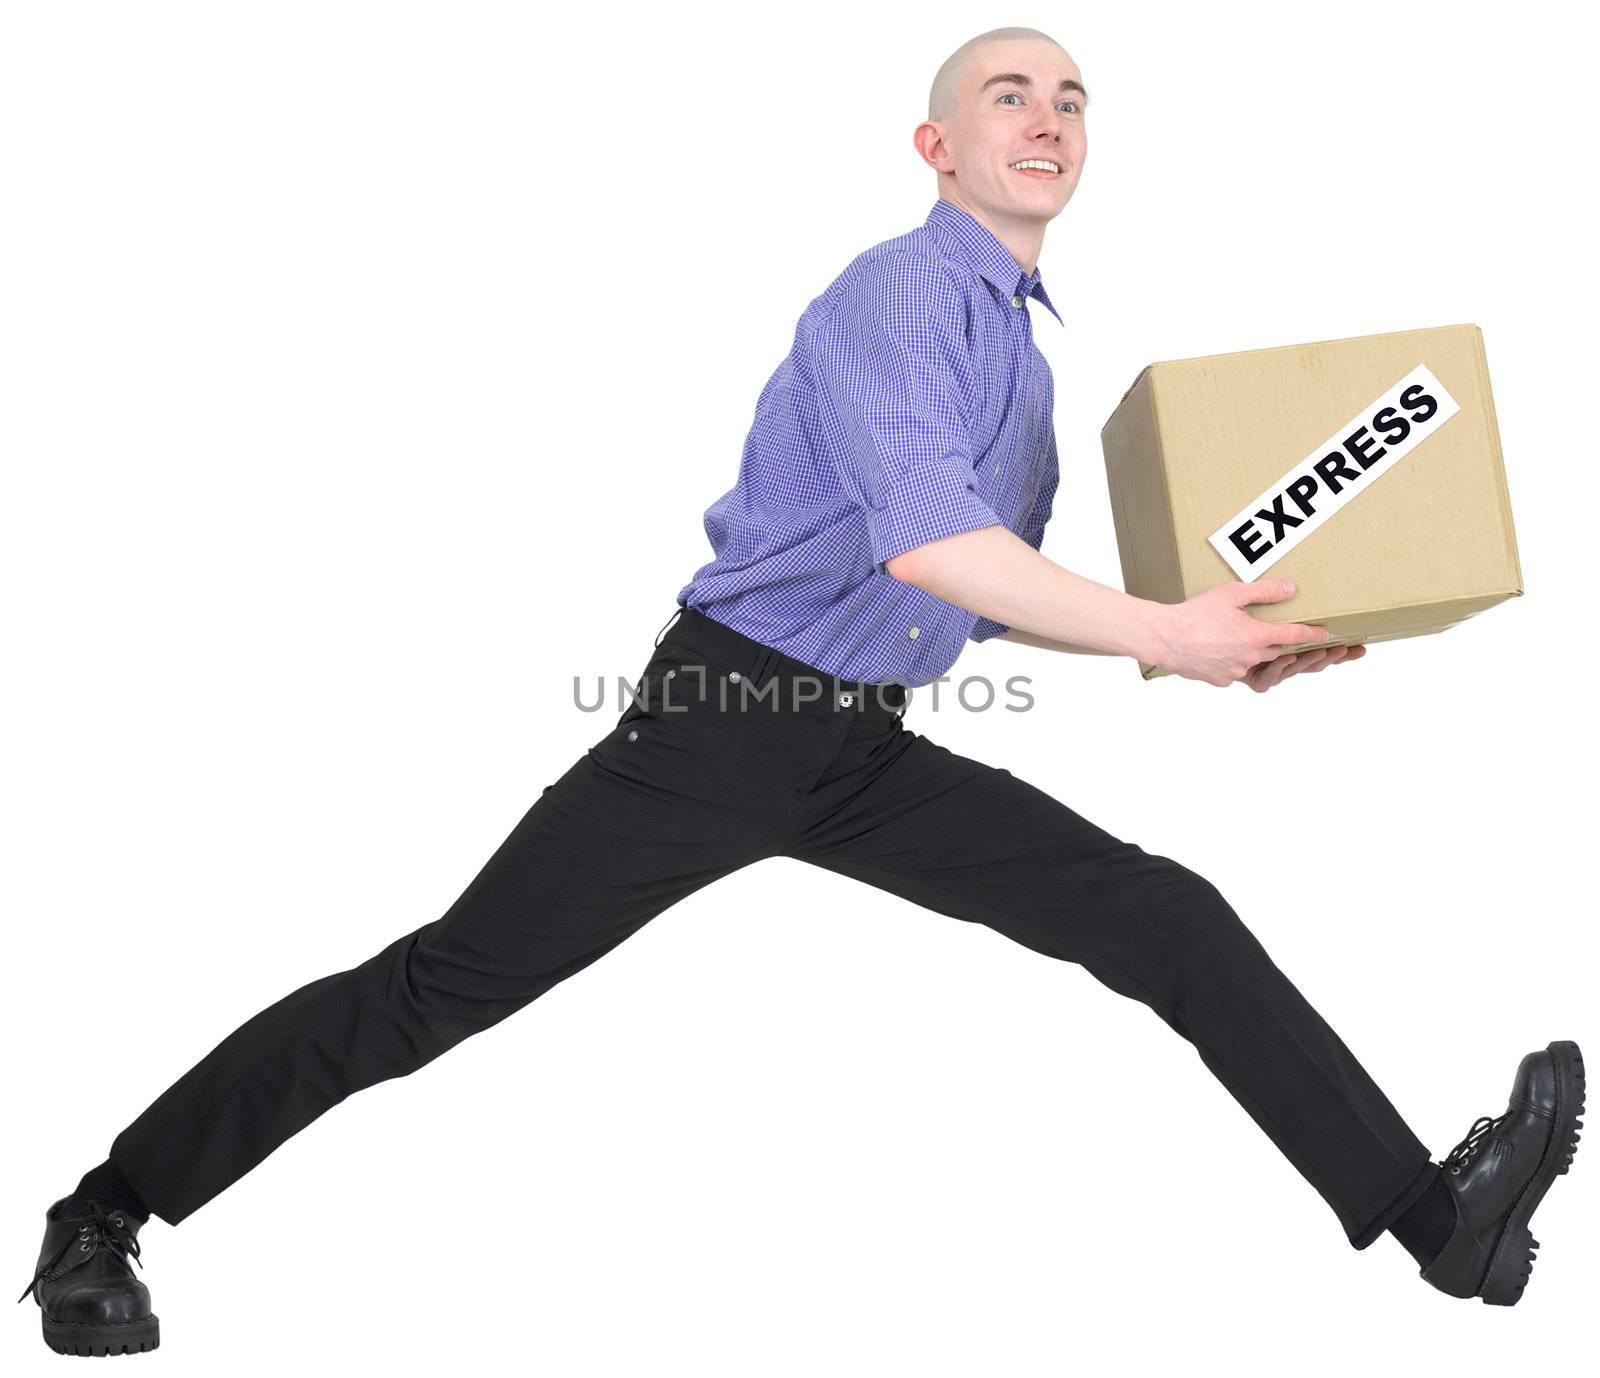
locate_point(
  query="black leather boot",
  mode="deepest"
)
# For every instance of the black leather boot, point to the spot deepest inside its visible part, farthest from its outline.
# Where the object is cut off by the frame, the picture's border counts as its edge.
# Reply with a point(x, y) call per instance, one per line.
point(89, 1300)
point(1500, 1172)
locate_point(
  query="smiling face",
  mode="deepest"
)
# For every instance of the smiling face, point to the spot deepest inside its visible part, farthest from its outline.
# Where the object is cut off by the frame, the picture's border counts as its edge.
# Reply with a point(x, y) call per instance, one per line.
point(1016, 100)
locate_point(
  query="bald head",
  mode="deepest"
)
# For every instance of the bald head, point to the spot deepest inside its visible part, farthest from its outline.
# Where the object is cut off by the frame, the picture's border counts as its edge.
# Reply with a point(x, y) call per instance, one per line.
point(944, 97)
point(1002, 102)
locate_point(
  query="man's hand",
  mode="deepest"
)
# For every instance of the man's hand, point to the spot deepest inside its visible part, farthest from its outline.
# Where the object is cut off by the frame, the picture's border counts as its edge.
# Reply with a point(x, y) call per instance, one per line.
point(1211, 637)
point(1271, 672)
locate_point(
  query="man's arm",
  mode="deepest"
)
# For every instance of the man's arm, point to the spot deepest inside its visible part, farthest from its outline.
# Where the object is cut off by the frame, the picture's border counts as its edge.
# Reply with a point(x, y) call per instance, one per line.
point(1044, 643)
point(995, 573)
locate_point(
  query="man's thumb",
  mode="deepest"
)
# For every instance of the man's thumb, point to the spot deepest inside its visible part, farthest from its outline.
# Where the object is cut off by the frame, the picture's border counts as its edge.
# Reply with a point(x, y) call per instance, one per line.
point(1267, 591)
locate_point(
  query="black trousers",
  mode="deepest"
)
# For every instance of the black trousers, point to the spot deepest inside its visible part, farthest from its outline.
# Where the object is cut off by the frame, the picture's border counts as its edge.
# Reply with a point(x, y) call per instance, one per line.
point(733, 753)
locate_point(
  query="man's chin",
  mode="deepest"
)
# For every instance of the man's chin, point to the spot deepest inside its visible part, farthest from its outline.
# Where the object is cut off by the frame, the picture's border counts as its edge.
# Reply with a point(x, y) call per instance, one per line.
point(1037, 208)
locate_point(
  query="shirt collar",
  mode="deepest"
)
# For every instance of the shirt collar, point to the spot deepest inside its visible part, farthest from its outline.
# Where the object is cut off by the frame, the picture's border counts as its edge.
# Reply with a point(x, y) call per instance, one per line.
point(974, 243)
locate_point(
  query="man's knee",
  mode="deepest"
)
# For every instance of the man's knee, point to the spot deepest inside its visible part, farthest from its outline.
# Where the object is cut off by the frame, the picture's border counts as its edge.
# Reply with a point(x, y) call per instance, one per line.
point(1200, 935)
point(1197, 908)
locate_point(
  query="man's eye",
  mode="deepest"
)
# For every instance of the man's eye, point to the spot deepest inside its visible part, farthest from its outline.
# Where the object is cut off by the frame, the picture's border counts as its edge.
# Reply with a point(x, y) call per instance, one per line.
point(1072, 106)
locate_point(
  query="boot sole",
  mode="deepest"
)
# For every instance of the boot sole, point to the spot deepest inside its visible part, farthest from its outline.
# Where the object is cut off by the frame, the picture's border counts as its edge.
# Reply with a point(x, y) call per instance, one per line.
point(1511, 1265)
point(132, 1337)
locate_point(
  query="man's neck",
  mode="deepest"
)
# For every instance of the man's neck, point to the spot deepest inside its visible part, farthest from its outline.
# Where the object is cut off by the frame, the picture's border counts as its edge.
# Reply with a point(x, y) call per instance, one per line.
point(1022, 240)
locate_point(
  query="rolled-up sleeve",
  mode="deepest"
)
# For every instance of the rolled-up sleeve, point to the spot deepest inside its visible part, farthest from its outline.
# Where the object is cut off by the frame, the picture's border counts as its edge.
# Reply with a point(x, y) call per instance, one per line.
point(895, 375)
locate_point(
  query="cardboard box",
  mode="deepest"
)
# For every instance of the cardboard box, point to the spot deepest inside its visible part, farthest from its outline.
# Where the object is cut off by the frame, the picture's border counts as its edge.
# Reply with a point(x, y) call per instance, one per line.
point(1367, 470)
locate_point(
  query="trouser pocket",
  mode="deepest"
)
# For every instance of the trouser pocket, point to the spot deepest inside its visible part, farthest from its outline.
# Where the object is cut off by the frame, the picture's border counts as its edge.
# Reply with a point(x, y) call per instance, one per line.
point(659, 697)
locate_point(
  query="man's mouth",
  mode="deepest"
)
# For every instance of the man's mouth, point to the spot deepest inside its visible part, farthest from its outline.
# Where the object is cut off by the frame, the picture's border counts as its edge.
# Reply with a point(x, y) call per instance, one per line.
point(1037, 167)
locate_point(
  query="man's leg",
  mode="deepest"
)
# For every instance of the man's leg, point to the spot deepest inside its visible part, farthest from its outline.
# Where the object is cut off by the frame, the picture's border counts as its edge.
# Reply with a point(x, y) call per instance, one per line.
point(618, 839)
point(971, 841)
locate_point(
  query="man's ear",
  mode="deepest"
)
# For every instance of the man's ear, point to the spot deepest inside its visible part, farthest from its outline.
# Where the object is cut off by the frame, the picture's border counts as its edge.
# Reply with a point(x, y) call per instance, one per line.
point(928, 138)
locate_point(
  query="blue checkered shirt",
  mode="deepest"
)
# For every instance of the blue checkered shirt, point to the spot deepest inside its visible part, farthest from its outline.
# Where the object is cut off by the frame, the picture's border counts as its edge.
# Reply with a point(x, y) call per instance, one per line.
point(912, 405)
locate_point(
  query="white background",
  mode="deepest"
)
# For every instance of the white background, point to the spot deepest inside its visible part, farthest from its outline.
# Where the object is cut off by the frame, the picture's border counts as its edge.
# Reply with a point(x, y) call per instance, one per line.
point(367, 370)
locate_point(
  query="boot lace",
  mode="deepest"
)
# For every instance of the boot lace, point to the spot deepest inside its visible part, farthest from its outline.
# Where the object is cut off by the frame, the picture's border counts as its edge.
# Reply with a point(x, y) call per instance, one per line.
point(1465, 1151)
point(97, 1227)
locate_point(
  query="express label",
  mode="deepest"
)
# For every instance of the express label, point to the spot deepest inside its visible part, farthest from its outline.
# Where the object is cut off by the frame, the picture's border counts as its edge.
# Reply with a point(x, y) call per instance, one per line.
point(1345, 465)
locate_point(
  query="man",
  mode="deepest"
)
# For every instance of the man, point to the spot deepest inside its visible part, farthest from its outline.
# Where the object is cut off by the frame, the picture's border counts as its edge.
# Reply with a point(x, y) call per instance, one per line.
point(890, 505)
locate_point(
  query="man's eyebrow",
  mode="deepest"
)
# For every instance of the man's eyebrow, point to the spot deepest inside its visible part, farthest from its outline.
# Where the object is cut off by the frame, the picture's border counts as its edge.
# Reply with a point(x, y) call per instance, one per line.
point(1019, 79)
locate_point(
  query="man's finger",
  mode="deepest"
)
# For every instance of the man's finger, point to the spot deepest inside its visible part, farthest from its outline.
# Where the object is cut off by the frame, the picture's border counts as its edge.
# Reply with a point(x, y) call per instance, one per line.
point(1269, 672)
point(1262, 591)
point(1288, 633)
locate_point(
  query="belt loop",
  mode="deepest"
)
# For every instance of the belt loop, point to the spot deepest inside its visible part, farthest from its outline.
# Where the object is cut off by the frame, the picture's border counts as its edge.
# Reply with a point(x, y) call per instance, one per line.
point(675, 616)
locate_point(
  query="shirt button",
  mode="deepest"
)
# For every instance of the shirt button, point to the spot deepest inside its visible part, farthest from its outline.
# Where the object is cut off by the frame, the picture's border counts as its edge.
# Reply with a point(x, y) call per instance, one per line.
point(997, 471)
point(914, 632)
point(1016, 301)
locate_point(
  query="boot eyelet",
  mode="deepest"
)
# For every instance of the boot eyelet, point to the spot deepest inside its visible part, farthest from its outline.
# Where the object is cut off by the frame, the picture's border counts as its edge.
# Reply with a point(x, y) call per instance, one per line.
point(1455, 1172)
point(85, 1247)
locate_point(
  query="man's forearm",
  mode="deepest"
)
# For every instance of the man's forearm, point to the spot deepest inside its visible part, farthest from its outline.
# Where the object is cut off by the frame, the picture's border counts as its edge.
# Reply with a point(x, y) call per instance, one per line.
point(1045, 643)
point(995, 573)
